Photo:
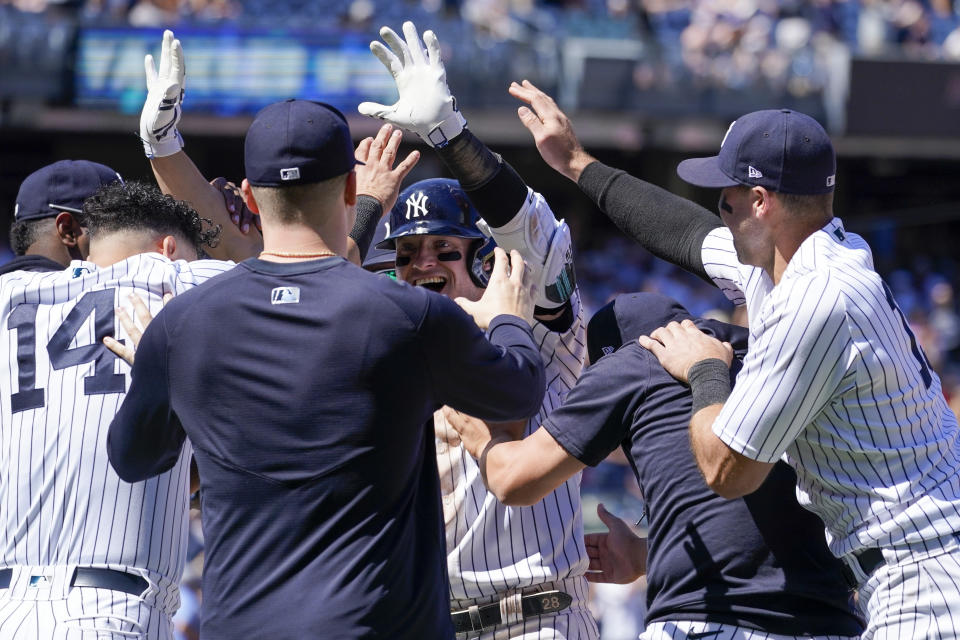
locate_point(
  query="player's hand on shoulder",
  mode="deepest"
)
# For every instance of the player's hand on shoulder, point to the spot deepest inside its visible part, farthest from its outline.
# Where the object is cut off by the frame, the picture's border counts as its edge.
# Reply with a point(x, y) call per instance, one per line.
point(161, 109)
point(618, 556)
point(552, 130)
point(509, 292)
point(377, 177)
point(680, 345)
point(425, 105)
point(240, 214)
point(128, 350)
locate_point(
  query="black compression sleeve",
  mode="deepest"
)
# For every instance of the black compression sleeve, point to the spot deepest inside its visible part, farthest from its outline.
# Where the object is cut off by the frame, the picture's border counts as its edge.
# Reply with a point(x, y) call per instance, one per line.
point(709, 383)
point(496, 190)
point(668, 226)
point(369, 212)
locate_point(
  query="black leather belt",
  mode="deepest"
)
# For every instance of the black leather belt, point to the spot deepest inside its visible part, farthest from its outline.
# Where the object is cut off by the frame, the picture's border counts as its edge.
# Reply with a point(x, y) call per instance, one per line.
point(99, 578)
point(478, 618)
point(868, 559)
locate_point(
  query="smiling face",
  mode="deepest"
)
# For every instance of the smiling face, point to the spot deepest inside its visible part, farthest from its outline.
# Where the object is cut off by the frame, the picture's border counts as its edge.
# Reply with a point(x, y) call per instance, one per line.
point(420, 263)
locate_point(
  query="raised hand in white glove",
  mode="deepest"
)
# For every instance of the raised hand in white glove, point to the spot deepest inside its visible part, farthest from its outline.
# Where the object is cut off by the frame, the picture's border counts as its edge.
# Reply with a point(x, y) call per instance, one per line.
point(425, 105)
point(161, 110)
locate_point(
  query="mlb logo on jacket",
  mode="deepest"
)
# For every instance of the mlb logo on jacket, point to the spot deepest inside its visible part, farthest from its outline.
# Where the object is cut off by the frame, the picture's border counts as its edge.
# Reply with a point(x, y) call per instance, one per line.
point(285, 295)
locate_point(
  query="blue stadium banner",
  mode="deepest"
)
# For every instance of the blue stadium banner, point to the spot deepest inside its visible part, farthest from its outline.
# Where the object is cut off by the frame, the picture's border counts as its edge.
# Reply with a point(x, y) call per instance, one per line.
point(232, 71)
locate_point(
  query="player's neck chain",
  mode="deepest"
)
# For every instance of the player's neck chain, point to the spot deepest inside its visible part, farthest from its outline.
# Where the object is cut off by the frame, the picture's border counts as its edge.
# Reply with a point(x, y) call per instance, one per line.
point(295, 254)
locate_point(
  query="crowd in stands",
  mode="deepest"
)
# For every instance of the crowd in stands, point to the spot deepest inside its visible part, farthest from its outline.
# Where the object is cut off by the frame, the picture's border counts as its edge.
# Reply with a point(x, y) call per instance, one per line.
point(788, 47)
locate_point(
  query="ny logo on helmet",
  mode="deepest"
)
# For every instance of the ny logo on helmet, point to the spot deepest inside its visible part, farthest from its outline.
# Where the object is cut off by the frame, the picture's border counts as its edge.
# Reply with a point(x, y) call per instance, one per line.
point(417, 205)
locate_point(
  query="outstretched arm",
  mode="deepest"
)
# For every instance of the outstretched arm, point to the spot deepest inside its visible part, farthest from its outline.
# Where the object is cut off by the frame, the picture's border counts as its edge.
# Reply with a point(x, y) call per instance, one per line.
point(175, 172)
point(517, 472)
point(670, 227)
point(516, 217)
point(498, 375)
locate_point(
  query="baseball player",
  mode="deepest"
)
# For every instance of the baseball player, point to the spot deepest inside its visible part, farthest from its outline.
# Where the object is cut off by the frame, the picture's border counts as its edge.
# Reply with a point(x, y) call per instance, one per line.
point(834, 381)
point(322, 515)
point(84, 551)
point(514, 571)
point(756, 567)
point(47, 232)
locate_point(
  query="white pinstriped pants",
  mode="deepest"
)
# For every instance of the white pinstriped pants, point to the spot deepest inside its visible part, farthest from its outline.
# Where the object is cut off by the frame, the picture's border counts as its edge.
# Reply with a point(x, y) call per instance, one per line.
point(85, 613)
point(693, 629)
point(916, 598)
point(50, 609)
point(573, 623)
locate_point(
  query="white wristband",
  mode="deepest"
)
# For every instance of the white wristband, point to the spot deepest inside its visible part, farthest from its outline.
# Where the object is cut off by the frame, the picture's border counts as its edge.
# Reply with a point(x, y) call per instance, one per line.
point(441, 135)
point(166, 147)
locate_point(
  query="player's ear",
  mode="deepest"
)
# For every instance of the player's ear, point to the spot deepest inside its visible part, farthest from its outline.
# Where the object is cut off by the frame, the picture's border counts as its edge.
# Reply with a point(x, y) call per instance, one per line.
point(760, 198)
point(168, 246)
point(68, 228)
point(248, 196)
point(350, 189)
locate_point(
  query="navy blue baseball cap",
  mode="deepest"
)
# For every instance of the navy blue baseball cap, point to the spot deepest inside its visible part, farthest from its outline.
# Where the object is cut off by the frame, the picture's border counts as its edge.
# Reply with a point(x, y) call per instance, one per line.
point(297, 142)
point(782, 150)
point(626, 318)
point(61, 186)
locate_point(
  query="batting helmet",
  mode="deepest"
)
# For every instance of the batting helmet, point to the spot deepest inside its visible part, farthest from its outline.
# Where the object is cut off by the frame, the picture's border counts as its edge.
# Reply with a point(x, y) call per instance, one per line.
point(439, 207)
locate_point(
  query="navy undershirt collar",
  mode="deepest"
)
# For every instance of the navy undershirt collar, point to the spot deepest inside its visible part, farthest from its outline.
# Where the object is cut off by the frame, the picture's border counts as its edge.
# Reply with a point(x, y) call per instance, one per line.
point(291, 268)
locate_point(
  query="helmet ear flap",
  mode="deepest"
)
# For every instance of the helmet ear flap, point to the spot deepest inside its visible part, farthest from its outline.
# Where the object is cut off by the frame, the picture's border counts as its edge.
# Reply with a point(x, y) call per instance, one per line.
point(480, 261)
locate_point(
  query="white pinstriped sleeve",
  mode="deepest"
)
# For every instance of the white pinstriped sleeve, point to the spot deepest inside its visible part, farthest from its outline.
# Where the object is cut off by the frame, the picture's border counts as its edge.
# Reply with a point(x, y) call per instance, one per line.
point(721, 264)
point(797, 360)
point(190, 274)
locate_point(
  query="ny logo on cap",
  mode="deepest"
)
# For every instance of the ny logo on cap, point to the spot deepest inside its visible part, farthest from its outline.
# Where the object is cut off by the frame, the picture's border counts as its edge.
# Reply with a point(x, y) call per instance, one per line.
point(285, 295)
point(831, 180)
point(417, 205)
point(292, 173)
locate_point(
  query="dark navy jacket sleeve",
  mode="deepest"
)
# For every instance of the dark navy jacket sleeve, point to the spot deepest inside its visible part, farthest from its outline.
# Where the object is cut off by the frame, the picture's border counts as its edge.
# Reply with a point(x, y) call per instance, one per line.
point(145, 436)
point(497, 379)
point(666, 225)
point(597, 413)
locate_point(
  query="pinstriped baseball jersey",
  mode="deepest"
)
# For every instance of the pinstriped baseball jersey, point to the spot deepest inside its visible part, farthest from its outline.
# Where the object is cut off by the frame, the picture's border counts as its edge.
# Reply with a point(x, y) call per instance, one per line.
point(491, 547)
point(60, 500)
point(835, 382)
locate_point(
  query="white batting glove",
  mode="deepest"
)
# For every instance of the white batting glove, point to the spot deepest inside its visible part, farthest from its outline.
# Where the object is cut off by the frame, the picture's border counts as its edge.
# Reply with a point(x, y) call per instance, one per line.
point(425, 105)
point(161, 110)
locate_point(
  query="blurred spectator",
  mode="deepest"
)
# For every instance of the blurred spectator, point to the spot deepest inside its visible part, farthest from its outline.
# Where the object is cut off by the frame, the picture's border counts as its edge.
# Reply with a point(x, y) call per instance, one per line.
point(779, 48)
point(154, 13)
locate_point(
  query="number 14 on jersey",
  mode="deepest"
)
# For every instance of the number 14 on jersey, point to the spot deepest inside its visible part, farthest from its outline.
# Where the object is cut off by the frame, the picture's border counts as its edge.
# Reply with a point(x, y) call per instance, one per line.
point(23, 321)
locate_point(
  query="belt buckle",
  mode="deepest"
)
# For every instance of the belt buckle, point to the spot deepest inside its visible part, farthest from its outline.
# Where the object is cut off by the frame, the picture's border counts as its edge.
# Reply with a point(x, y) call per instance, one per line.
point(475, 623)
point(510, 609)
